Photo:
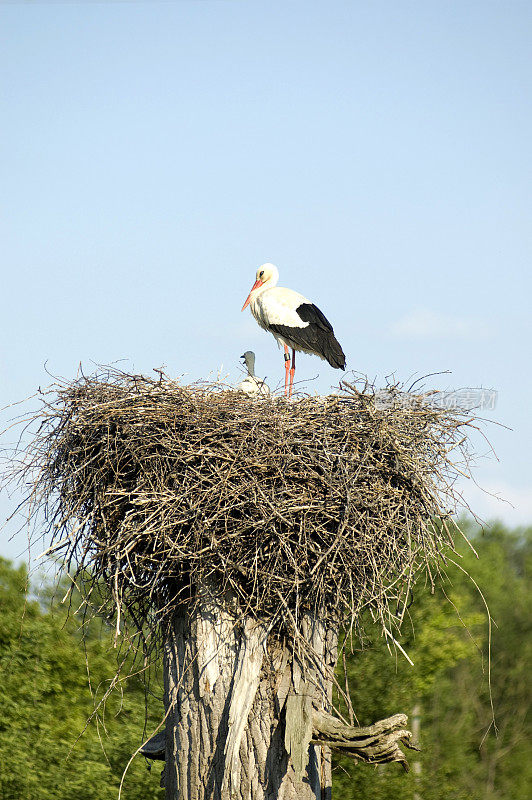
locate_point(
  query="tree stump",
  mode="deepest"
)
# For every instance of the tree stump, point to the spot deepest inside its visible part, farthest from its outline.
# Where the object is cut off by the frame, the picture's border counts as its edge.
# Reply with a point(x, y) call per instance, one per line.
point(248, 716)
point(240, 709)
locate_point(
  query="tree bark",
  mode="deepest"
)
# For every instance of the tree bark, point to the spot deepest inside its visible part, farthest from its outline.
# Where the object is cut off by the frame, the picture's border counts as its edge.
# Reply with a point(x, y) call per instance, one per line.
point(240, 709)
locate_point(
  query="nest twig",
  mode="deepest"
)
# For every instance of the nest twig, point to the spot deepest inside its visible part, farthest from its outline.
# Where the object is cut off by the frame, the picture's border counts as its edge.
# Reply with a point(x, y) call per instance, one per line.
point(152, 490)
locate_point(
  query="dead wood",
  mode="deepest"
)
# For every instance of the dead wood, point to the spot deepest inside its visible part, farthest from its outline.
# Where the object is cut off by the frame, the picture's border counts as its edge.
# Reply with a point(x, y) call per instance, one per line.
point(373, 744)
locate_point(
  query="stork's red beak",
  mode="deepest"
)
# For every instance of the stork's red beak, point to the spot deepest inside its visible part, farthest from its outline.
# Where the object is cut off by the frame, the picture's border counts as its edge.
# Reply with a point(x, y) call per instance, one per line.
point(255, 286)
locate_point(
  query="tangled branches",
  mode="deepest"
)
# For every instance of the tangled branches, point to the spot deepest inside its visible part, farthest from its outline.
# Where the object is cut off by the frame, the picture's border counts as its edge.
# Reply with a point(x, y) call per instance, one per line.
point(153, 490)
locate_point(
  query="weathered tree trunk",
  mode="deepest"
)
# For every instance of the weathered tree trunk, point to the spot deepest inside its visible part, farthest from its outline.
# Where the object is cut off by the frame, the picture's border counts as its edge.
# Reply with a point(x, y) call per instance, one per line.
point(248, 717)
point(240, 709)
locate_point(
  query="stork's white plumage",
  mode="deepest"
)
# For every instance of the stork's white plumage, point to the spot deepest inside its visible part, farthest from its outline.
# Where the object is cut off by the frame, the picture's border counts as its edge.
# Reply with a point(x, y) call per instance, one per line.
point(295, 322)
point(251, 385)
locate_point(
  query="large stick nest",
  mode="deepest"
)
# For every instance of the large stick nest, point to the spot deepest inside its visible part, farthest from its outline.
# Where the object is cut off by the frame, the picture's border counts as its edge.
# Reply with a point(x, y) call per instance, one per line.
point(154, 490)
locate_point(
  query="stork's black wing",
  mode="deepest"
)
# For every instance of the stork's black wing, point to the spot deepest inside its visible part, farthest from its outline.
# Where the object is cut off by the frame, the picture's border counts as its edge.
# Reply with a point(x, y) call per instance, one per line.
point(311, 313)
point(317, 337)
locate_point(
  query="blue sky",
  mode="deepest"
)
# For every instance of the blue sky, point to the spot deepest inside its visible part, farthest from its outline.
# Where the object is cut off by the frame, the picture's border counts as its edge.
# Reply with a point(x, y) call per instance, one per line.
point(154, 154)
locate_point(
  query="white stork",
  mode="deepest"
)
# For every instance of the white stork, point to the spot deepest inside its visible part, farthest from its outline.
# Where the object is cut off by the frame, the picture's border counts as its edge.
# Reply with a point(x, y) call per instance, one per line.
point(251, 385)
point(294, 321)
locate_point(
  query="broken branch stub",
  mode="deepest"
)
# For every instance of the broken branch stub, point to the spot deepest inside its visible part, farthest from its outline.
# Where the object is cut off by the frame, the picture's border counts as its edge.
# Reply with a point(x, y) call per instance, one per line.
point(373, 744)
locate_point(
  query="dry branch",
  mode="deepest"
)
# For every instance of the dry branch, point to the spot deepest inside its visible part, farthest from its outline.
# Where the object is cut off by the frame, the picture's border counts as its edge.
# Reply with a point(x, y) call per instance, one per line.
point(374, 744)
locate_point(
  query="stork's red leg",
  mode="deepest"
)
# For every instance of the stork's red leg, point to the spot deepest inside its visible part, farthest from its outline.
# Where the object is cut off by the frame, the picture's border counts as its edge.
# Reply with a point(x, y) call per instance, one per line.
point(286, 369)
point(292, 371)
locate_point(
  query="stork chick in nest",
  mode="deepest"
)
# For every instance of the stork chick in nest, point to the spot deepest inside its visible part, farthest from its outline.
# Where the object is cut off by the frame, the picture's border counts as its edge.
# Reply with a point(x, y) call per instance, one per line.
point(251, 384)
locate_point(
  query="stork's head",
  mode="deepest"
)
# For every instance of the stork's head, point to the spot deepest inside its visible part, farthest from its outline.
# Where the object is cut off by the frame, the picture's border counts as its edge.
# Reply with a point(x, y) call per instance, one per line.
point(249, 361)
point(266, 277)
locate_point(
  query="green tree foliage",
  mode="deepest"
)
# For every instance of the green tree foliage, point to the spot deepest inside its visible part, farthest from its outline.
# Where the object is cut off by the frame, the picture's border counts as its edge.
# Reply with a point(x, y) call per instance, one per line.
point(464, 754)
point(45, 702)
point(45, 699)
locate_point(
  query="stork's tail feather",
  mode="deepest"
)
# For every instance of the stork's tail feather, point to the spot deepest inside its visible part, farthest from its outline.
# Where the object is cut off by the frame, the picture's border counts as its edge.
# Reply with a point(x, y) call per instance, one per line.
point(333, 352)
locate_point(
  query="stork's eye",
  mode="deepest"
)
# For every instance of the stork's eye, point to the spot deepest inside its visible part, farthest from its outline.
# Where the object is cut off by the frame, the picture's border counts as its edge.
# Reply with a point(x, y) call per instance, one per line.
point(261, 274)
